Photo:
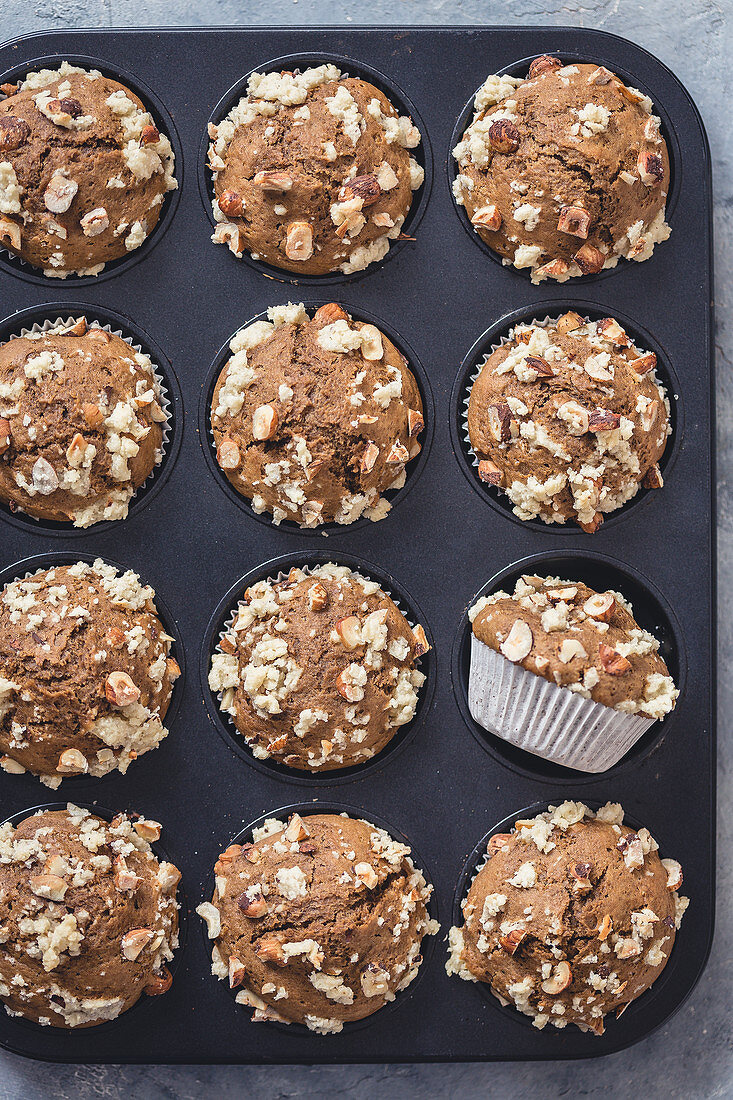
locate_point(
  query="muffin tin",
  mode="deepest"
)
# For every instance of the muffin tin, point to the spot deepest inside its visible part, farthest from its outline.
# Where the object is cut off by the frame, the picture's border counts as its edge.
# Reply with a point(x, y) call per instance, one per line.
point(439, 786)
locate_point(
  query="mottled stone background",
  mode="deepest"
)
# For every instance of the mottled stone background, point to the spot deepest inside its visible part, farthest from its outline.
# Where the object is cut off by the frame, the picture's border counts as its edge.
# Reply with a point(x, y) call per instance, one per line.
point(692, 1057)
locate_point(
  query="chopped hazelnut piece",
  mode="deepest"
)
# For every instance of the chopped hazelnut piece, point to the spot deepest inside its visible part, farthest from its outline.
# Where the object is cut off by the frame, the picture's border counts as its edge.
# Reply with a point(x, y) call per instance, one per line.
point(120, 689)
point(135, 941)
point(543, 64)
point(518, 643)
point(329, 313)
point(503, 136)
point(72, 762)
point(299, 241)
point(160, 983)
point(231, 204)
point(612, 662)
point(574, 220)
point(488, 217)
point(264, 422)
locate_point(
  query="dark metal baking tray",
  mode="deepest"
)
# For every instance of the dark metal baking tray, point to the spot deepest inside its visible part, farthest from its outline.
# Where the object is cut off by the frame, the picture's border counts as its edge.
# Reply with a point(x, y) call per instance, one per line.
point(441, 787)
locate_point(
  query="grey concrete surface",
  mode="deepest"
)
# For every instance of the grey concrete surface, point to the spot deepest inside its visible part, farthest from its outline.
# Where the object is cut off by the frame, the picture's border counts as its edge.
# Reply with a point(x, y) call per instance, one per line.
point(692, 1056)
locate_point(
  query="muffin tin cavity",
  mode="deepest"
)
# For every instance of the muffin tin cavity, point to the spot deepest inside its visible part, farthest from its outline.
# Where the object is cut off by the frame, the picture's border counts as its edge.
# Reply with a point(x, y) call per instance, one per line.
point(520, 68)
point(652, 613)
point(305, 809)
point(77, 1040)
point(163, 120)
point(36, 318)
point(650, 1004)
point(297, 62)
point(413, 469)
point(222, 617)
point(24, 569)
point(496, 335)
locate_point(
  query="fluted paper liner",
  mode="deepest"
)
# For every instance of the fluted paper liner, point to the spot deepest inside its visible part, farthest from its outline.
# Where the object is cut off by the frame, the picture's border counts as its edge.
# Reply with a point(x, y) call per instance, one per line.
point(544, 719)
point(161, 388)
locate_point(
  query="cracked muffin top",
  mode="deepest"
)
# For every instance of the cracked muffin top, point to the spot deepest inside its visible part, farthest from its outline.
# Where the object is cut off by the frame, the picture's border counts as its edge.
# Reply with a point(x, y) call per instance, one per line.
point(571, 916)
point(312, 171)
point(318, 670)
point(578, 638)
point(85, 676)
point(81, 423)
point(88, 915)
point(569, 419)
point(83, 170)
point(319, 921)
point(565, 171)
point(314, 419)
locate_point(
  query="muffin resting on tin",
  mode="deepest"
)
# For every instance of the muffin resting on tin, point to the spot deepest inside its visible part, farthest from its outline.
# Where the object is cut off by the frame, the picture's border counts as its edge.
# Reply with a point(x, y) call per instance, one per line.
point(565, 171)
point(318, 670)
point(314, 418)
point(81, 423)
point(569, 419)
point(317, 922)
point(89, 917)
point(85, 672)
point(312, 171)
point(83, 170)
point(572, 915)
point(576, 638)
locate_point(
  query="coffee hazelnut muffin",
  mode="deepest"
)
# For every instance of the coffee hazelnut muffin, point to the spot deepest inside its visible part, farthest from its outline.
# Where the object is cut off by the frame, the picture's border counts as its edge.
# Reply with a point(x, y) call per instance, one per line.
point(569, 419)
point(571, 916)
point(85, 672)
point(314, 418)
point(318, 921)
point(88, 914)
point(83, 170)
point(81, 423)
point(564, 171)
point(565, 672)
point(572, 636)
point(318, 670)
point(312, 171)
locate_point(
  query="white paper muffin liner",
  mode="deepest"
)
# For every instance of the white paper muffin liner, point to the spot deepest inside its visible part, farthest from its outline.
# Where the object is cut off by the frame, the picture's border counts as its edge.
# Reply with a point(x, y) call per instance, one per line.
point(468, 387)
point(278, 579)
point(544, 719)
point(161, 393)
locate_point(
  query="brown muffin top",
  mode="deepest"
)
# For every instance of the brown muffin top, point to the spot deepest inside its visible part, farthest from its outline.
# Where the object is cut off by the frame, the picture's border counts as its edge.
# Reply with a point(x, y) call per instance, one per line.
point(314, 418)
point(318, 670)
point(318, 922)
point(85, 676)
point(83, 170)
point(88, 915)
point(81, 423)
point(565, 171)
point(312, 171)
point(580, 639)
point(569, 419)
point(573, 915)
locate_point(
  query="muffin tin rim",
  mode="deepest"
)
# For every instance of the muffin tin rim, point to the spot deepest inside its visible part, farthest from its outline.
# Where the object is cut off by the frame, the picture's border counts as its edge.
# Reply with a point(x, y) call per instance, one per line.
point(423, 153)
point(471, 868)
point(159, 475)
point(22, 269)
point(47, 560)
point(519, 67)
point(428, 944)
point(274, 768)
point(554, 308)
point(413, 469)
point(161, 854)
point(650, 741)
